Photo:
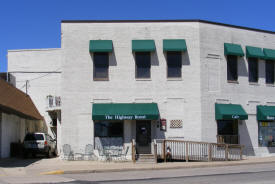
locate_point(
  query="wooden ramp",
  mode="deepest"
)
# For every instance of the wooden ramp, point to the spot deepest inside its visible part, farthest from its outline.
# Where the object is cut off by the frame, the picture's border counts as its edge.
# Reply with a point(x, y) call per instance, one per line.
point(196, 151)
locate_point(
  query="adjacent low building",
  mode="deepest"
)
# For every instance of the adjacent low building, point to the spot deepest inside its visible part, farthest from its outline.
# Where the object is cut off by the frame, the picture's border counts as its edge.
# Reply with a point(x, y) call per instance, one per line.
point(18, 116)
point(171, 79)
point(38, 73)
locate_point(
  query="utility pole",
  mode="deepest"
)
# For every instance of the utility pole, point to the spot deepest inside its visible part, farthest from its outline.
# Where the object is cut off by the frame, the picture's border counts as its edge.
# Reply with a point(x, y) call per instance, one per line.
point(27, 83)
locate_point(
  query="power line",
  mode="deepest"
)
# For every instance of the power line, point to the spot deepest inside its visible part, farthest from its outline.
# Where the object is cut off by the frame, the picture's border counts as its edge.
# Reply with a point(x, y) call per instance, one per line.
point(39, 76)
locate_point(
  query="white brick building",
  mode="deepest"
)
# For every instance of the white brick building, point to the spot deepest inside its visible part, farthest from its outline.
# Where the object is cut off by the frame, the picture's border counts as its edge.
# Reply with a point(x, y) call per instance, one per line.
point(178, 71)
point(38, 72)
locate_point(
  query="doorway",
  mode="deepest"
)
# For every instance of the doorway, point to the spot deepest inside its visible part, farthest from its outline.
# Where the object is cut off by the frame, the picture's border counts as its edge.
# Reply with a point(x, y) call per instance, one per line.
point(228, 132)
point(143, 137)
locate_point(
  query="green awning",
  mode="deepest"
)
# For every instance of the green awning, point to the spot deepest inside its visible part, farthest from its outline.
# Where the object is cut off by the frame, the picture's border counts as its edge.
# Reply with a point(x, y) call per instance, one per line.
point(265, 113)
point(230, 112)
point(174, 45)
point(254, 52)
point(101, 46)
point(125, 111)
point(143, 46)
point(269, 54)
point(233, 49)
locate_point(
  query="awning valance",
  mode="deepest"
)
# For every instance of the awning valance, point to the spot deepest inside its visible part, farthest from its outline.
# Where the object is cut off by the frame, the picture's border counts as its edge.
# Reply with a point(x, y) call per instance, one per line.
point(125, 111)
point(254, 52)
point(101, 46)
point(174, 45)
point(230, 112)
point(143, 46)
point(269, 54)
point(265, 113)
point(233, 49)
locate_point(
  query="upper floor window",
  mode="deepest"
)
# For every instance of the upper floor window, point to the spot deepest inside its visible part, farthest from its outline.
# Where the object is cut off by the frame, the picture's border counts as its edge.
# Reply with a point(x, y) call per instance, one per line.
point(269, 72)
point(253, 69)
point(143, 65)
point(101, 66)
point(232, 68)
point(174, 64)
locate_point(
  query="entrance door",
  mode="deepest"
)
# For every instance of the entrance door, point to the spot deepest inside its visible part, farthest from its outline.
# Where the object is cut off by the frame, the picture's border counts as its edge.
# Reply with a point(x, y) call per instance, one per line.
point(228, 132)
point(143, 137)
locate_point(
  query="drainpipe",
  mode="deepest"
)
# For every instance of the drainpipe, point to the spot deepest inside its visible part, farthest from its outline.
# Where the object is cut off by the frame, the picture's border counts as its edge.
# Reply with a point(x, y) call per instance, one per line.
point(27, 82)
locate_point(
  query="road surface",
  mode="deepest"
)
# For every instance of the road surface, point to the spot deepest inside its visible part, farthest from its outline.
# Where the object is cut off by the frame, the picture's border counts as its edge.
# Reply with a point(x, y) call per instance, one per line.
point(252, 174)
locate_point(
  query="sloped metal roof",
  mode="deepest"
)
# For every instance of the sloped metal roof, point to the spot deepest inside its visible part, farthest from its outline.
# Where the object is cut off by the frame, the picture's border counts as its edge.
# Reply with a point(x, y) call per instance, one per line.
point(14, 101)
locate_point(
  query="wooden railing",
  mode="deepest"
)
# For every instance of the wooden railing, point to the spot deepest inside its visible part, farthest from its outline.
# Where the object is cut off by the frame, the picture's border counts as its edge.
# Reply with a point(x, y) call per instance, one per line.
point(228, 139)
point(196, 151)
point(133, 150)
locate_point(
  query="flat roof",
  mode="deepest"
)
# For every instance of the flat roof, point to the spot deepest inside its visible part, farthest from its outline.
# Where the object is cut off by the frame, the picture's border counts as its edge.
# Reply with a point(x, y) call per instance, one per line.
point(42, 49)
point(175, 20)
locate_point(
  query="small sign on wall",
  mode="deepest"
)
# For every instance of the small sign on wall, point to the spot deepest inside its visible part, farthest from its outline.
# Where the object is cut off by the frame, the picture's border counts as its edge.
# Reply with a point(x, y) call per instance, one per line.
point(163, 124)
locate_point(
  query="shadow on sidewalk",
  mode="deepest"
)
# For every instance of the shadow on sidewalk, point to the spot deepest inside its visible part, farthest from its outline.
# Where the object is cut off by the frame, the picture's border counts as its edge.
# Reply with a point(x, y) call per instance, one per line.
point(18, 162)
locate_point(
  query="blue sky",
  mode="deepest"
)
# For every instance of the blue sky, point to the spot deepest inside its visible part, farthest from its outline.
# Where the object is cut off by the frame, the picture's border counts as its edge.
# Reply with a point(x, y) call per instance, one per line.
point(26, 24)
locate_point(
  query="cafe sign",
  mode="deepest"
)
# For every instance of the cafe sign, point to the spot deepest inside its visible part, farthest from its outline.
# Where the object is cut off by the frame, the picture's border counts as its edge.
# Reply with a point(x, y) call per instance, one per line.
point(125, 117)
point(235, 116)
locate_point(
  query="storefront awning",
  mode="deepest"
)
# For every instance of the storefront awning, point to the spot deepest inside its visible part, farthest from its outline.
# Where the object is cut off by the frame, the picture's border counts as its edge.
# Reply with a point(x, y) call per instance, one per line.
point(143, 46)
point(254, 52)
point(125, 111)
point(233, 49)
point(230, 112)
point(174, 45)
point(269, 54)
point(101, 46)
point(265, 113)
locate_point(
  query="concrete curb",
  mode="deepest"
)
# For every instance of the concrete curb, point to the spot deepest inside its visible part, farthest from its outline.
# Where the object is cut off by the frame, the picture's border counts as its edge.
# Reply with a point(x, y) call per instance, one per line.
point(56, 172)
point(53, 172)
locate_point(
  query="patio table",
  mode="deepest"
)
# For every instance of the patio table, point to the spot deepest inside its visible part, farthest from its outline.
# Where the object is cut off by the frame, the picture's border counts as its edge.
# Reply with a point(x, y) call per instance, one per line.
point(110, 152)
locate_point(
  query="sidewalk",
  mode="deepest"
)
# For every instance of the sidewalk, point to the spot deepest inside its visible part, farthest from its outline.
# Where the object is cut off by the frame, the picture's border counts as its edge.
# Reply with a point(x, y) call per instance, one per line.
point(22, 167)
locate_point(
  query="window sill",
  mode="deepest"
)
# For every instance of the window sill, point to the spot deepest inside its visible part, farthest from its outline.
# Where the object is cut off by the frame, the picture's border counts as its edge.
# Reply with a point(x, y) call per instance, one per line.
point(270, 85)
point(174, 79)
point(144, 79)
point(101, 80)
point(233, 82)
point(254, 84)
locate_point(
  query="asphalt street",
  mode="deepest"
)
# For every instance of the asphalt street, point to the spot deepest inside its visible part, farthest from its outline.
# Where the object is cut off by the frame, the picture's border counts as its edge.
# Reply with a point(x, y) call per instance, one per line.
point(258, 173)
point(265, 177)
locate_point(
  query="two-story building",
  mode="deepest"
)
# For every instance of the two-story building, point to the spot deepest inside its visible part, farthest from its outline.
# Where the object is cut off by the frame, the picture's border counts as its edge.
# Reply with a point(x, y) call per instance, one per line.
point(174, 79)
point(209, 81)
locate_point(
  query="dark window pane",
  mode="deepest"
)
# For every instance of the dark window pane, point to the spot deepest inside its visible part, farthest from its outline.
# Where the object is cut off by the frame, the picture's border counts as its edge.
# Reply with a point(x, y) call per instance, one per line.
point(143, 72)
point(116, 129)
point(227, 127)
point(253, 69)
point(232, 68)
point(269, 72)
point(101, 59)
point(101, 65)
point(109, 129)
point(34, 137)
point(174, 64)
point(174, 59)
point(143, 59)
point(101, 72)
point(143, 64)
point(174, 72)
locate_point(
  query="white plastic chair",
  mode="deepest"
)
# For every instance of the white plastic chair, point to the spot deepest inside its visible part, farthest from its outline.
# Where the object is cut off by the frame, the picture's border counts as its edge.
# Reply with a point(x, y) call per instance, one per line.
point(67, 152)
